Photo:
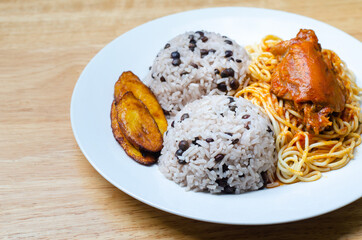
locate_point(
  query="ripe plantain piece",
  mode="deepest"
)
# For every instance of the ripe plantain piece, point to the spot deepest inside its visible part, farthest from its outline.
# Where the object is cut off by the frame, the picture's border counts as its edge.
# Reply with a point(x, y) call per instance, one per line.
point(137, 124)
point(133, 152)
point(130, 82)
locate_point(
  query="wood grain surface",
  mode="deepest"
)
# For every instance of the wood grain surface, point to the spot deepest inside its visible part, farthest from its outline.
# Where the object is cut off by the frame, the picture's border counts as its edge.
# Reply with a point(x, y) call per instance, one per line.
point(48, 190)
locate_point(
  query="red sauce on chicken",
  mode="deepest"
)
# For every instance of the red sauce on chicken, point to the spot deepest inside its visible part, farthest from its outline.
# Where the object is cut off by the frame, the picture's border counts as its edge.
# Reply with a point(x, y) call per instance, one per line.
point(305, 77)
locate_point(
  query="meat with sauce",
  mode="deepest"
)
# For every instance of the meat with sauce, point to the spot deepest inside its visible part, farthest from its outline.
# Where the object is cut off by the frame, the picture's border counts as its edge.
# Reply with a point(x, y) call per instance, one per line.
point(308, 79)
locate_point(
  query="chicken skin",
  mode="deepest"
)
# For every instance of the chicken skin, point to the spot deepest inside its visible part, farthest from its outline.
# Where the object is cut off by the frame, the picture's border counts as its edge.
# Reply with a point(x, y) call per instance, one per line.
point(308, 79)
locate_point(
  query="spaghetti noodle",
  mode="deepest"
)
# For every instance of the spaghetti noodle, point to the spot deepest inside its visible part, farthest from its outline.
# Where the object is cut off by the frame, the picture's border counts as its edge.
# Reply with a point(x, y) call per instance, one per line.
point(303, 156)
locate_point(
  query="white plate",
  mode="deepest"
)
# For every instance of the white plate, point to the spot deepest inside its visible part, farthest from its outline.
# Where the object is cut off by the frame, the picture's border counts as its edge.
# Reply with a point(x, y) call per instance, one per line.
point(135, 51)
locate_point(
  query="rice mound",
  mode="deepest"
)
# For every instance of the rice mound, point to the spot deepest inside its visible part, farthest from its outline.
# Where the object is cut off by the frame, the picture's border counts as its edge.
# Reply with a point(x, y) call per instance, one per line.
point(205, 62)
point(219, 144)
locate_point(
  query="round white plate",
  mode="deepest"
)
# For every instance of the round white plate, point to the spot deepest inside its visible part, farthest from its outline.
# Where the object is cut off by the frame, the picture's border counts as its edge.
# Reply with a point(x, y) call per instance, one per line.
point(135, 51)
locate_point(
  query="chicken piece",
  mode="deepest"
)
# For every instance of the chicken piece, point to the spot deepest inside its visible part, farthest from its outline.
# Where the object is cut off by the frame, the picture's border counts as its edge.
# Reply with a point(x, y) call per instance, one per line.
point(305, 77)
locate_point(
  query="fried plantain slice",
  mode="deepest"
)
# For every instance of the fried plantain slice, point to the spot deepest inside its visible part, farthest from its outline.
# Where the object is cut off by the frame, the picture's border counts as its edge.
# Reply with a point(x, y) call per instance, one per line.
point(137, 124)
point(130, 82)
point(131, 151)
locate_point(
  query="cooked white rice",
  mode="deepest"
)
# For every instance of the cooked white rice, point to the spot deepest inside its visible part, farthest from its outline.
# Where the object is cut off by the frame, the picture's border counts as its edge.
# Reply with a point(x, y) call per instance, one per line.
point(231, 146)
point(203, 56)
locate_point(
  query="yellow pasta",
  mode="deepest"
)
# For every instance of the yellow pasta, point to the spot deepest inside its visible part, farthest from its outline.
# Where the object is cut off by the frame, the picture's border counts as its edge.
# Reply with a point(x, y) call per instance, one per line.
point(303, 156)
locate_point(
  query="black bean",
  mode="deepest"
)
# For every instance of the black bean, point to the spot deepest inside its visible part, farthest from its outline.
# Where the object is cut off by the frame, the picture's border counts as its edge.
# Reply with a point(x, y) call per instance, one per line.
point(173, 124)
point(221, 114)
point(269, 130)
point(246, 116)
point(167, 113)
point(162, 79)
point(184, 116)
point(153, 77)
point(204, 52)
point(204, 39)
point(195, 141)
point(234, 84)
point(231, 99)
point(228, 53)
point(235, 141)
point(230, 134)
point(219, 157)
point(167, 45)
point(239, 60)
point(180, 161)
point(209, 140)
point(224, 73)
point(247, 125)
point(150, 68)
point(223, 182)
point(194, 65)
point(175, 54)
point(228, 72)
point(183, 145)
point(200, 33)
point(179, 152)
point(229, 190)
point(192, 45)
point(184, 73)
point(222, 87)
point(216, 71)
point(225, 167)
point(231, 59)
point(233, 108)
point(212, 51)
point(228, 42)
point(176, 62)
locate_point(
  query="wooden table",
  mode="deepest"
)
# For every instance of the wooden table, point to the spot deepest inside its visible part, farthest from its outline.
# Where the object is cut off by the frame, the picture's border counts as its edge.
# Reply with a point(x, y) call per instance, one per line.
point(48, 190)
